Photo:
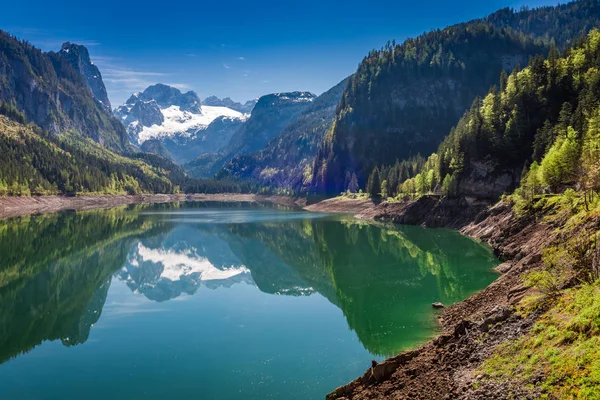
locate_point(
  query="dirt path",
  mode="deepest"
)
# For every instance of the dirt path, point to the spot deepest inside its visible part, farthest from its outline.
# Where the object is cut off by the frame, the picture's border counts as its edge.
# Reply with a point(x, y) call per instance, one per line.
point(19, 206)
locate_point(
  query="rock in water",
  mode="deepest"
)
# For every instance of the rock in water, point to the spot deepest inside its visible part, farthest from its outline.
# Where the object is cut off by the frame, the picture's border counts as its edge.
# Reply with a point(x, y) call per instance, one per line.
point(437, 305)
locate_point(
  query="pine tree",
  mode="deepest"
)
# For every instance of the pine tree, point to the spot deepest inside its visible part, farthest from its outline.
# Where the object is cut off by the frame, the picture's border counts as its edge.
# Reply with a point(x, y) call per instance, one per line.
point(374, 183)
point(353, 185)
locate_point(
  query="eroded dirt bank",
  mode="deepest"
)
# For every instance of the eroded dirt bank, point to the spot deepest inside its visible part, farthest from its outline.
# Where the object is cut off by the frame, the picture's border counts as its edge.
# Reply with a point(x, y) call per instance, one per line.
point(448, 366)
point(18, 206)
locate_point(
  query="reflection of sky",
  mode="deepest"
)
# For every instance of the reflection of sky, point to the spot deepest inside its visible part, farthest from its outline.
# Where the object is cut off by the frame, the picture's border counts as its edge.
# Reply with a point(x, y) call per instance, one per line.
point(121, 302)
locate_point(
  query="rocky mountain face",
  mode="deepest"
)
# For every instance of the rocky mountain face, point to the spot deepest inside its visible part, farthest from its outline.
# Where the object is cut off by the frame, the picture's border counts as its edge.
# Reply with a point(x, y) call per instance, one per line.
point(53, 94)
point(167, 96)
point(245, 108)
point(79, 57)
point(144, 109)
point(177, 122)
point(271, 114)
point(288, 158)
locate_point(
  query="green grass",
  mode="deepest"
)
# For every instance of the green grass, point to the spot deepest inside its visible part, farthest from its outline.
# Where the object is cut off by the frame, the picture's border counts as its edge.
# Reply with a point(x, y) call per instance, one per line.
point(563, 348)
point(353, 196)
point(560, 355)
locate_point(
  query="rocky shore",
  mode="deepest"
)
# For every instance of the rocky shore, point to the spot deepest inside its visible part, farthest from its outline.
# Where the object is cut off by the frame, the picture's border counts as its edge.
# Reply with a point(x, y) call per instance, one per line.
point(447, 367)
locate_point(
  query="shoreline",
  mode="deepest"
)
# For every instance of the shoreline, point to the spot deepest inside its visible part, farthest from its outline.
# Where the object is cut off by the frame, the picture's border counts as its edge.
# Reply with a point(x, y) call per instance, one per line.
point(20, 206)
point(446, 366)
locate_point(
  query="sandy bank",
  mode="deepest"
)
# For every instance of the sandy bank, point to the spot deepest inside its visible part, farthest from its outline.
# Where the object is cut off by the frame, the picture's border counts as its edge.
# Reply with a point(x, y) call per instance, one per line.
point(19, 206)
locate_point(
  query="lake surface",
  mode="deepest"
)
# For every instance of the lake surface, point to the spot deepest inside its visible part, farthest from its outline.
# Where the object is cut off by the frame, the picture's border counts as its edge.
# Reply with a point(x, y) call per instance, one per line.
point(216, 301)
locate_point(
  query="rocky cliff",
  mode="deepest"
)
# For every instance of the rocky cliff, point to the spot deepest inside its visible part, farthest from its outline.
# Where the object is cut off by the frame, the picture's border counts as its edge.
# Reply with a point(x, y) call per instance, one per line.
point(52, 93)
point(79, 57)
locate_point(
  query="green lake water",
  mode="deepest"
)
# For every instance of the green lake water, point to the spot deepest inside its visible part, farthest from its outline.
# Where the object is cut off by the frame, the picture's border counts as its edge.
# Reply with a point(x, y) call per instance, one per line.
point(214, 301)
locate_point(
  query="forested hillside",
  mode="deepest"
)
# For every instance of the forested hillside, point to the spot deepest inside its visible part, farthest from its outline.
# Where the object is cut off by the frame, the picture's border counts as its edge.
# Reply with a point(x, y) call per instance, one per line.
point(52, 94)
point(545, 117)
point(548, 114)
point(404, 98)
point(286, 161)
point(35, 162)
point(560, 24)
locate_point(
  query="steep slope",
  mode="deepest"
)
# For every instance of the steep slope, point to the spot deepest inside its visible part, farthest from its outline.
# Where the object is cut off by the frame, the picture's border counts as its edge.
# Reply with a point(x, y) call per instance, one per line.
point(404, 98)
point(35, 162)
point(54, 95)
point(549, 107)
point(178, 121)
point(270, 115)
point(287, 160)
point(79, 57)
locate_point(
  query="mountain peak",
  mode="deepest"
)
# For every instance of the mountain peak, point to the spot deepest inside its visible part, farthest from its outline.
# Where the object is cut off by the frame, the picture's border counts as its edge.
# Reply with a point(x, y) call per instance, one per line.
point(163, 112)
point(79, 57)
point(167, 96)
point(285, 98)
point(245, 108)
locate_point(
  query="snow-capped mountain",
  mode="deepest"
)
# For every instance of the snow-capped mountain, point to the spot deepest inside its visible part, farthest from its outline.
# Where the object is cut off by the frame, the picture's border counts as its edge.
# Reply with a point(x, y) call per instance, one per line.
point(245, 108)
point(163, 112)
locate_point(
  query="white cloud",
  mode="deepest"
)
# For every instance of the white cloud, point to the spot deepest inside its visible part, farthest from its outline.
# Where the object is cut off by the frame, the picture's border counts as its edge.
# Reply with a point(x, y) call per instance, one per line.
point(226, 66)
point(241, 58)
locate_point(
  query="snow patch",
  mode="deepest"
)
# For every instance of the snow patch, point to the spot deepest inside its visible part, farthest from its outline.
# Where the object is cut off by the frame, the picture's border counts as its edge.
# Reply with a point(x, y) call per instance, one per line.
point(185, 123)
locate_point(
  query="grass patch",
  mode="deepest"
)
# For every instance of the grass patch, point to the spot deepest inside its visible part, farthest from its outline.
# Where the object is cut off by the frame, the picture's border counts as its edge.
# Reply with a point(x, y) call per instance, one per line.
point(353, 196)
point(561, 354)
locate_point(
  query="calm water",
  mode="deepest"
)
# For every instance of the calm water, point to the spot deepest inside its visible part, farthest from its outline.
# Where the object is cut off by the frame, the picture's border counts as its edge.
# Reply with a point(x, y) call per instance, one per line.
point(216, 302)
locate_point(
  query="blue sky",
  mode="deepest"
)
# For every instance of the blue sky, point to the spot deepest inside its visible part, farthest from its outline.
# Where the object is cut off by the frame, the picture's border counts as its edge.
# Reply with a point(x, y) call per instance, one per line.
point(241, 49)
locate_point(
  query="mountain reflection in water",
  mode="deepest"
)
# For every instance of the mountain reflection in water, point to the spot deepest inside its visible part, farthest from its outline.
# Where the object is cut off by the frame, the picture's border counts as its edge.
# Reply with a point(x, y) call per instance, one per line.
point(56, 269)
